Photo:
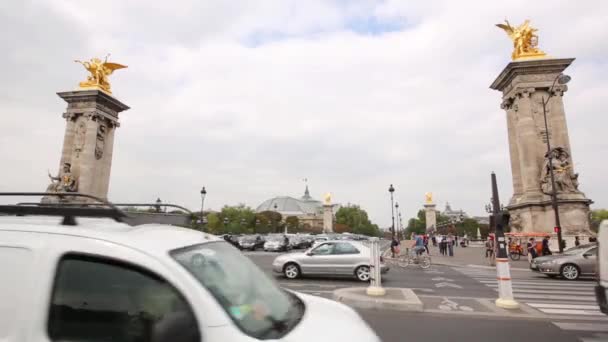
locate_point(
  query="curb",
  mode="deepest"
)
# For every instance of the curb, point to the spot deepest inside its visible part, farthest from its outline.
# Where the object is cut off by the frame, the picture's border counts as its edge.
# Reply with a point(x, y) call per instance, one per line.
point(402, 299)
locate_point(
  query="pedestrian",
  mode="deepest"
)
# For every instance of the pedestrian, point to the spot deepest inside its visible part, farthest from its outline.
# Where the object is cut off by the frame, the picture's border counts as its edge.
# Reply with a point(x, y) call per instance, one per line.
point(426, 243)
point(531, 250)
point(489, 247)
point(441, 242)
point(576, 241)
point(450, 245)
point(455, 240)
point(394, 246)
point(546, 250)
point(434, 239)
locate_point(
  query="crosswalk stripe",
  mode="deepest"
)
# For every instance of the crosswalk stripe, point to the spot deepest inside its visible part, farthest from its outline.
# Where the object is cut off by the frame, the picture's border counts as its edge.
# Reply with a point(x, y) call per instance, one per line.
point(549, 292)
point(564, 306)
point(578, 326)
point(555, 297)
point(536, 286)
point(572, 312)
point(548, 284)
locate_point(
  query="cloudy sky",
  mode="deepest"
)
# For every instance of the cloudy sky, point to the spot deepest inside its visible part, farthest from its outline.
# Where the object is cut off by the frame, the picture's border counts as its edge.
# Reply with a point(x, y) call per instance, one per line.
point(248, 98)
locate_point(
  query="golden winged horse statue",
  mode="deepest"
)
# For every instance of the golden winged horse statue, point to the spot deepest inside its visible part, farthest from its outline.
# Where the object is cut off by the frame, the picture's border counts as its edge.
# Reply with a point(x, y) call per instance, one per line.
point(525, 40)
point(99, 72)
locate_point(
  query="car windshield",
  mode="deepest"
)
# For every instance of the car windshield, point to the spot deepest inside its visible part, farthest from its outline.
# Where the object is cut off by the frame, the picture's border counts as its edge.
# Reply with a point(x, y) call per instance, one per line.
point(247, 239)
point(575, 250)
point(253, 301)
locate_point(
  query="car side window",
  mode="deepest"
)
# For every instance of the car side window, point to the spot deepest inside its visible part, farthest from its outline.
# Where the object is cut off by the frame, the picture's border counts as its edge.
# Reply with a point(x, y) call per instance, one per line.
point(324, 249)
point(345, 248)
point(102, 300)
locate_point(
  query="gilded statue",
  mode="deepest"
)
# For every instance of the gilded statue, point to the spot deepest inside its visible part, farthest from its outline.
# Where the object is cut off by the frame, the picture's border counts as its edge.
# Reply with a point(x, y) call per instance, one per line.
point(327, 198)
point(99, 71)
point(525, 40)
point(429, 197)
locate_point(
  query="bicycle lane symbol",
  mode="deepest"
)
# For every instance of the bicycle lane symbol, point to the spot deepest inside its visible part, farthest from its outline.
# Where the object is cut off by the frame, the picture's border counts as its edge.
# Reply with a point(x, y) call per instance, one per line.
point(449, 305)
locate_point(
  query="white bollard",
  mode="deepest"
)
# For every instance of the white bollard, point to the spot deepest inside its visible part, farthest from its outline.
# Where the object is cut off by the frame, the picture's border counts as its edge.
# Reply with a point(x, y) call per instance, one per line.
point(375, 285)
point(505, 288)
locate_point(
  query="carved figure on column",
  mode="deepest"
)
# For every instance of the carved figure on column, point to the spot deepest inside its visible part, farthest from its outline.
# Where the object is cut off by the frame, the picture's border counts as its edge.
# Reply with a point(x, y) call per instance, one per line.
point(99, 71)
point(64, 182)
point(100, 143)
point(525, 40)
point(566, 181)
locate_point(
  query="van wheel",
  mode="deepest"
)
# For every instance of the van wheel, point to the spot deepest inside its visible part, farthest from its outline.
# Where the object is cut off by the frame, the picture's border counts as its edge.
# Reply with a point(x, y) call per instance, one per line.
point(291, 271)
point(570, 271)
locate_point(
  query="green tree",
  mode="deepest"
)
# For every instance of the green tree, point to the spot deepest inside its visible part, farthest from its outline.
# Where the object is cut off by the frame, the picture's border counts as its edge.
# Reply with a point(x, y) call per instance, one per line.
point(293, 224)
point(273, 221)
point(597, 216)
point(356, 220)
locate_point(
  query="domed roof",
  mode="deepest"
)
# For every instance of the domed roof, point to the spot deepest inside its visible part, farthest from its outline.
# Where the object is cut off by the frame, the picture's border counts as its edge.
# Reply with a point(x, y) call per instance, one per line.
point(290, 206)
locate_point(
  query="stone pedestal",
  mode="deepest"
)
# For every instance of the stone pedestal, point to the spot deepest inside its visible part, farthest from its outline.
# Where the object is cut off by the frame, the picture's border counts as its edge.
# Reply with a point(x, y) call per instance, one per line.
point(328, 218)
point(525, 85)
point(431, 217)
point(91, 120)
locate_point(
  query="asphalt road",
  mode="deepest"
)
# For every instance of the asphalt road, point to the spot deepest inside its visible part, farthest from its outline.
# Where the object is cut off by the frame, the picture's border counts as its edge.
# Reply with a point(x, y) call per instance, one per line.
point(459, 305)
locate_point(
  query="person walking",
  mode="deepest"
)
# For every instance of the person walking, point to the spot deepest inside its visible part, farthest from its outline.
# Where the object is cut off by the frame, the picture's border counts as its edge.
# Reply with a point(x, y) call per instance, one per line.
point(531, 250)
point(434, 239)
point(546, 250)
point(450, 245)
point(394, 246)
point(489, 247)
point(426, 244)
point(441, 242)
point(577, 242)
point(455, 240)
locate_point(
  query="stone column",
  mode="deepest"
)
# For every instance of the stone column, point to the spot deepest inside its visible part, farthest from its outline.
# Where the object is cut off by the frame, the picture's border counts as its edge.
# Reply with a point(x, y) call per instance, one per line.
point(431, 217)
point(524, 84)
point(92, 116)
point(328, 218)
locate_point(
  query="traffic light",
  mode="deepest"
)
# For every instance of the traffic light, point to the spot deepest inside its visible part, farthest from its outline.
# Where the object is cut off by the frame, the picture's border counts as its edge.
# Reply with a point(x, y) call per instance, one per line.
point(556, 229)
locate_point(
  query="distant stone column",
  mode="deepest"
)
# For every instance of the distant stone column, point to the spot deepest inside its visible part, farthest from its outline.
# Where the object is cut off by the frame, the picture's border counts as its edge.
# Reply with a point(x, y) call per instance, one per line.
point(92, 117)
point(525, 85)
point(431, 217)
point(328, 218)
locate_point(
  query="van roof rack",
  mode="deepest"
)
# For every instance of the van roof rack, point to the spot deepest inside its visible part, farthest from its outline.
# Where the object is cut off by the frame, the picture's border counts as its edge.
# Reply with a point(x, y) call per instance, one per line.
point(101, 208)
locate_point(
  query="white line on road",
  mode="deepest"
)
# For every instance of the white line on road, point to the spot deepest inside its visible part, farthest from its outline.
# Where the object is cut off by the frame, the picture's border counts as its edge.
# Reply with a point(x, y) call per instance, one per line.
point(595, 327)
point(441, 279)
point(556, 297)
point(534, 286)
point(572, 312)
point(548, 283)
point(564, 306)
point(549, 292)
point(448, 285)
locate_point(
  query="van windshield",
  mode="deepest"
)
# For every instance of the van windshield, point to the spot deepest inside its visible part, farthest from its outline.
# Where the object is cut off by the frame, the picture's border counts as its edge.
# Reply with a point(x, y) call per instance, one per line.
point(253, 301)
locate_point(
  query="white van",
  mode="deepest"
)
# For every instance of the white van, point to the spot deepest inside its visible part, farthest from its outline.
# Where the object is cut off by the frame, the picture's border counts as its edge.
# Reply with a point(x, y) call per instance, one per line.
point(102, 280)
point(601, 290)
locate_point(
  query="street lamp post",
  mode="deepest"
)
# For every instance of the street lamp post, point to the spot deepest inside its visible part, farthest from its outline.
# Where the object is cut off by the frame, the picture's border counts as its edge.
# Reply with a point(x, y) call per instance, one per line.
point(391, 189)
point(275, 210)
point(561, 79)
point(398, 228)
point(203, 194)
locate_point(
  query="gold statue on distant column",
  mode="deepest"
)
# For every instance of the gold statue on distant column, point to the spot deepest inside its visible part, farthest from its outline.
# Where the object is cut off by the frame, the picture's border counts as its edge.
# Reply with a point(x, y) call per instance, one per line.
point(327, 199)
point(98, 79)
point(525, 41)
point(429, 197)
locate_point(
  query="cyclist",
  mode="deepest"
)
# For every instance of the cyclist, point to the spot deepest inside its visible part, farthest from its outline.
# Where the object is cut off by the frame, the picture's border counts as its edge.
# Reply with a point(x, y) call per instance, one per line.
point(418, 246)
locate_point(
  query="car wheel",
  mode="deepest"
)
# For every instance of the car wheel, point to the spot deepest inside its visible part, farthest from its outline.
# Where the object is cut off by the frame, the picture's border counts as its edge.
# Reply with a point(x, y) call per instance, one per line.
point(363, 273)
point(570, 271)
point(291, 271)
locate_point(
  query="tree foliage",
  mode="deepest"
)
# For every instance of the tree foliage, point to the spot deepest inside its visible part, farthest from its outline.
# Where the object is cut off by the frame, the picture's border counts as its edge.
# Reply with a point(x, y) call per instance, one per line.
point(353, 219)
point(597, 216)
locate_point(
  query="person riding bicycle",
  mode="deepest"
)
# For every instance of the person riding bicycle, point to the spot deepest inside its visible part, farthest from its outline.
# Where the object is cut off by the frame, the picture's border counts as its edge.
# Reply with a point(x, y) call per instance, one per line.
point(418, 246)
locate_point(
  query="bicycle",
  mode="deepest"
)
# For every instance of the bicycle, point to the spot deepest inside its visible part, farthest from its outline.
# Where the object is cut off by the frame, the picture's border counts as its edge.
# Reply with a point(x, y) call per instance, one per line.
point(411, 258)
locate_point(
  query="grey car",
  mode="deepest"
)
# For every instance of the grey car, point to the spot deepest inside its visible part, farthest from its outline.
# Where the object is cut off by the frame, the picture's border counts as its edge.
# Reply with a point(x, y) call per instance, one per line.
point(572, 264)
point(329, 258)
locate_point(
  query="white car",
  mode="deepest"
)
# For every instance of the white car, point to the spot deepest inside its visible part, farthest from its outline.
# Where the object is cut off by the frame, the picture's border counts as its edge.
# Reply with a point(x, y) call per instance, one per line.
point(102, 280)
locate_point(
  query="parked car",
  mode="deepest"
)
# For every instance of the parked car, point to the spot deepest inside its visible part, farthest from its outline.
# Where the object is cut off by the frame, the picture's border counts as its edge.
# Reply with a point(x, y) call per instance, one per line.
point(277, 243)
point(251, 242)
point(231, 239)
point(319, 239)
point(102, 280)
point(572, 264)
point(601, 290)
point(330, 258)
point(300, 241)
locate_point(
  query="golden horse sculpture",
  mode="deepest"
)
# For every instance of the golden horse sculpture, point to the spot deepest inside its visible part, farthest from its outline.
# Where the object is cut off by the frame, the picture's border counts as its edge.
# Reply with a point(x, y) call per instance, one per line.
point(98, 79)
point(327, 198)
point(525, 41)
point(429, 197)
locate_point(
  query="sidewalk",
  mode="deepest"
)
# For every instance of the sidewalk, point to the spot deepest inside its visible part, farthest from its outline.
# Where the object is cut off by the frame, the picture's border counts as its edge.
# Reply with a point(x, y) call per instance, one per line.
point(466, 256)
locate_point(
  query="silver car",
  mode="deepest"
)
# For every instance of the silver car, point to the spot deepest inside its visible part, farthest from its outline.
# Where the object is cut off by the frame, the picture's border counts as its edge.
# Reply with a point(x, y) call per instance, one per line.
point(329, 258)
point(572, 264)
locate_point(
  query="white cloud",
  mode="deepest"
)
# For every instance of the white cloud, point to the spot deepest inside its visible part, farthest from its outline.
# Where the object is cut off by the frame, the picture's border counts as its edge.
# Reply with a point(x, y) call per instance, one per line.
point(352, 112)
